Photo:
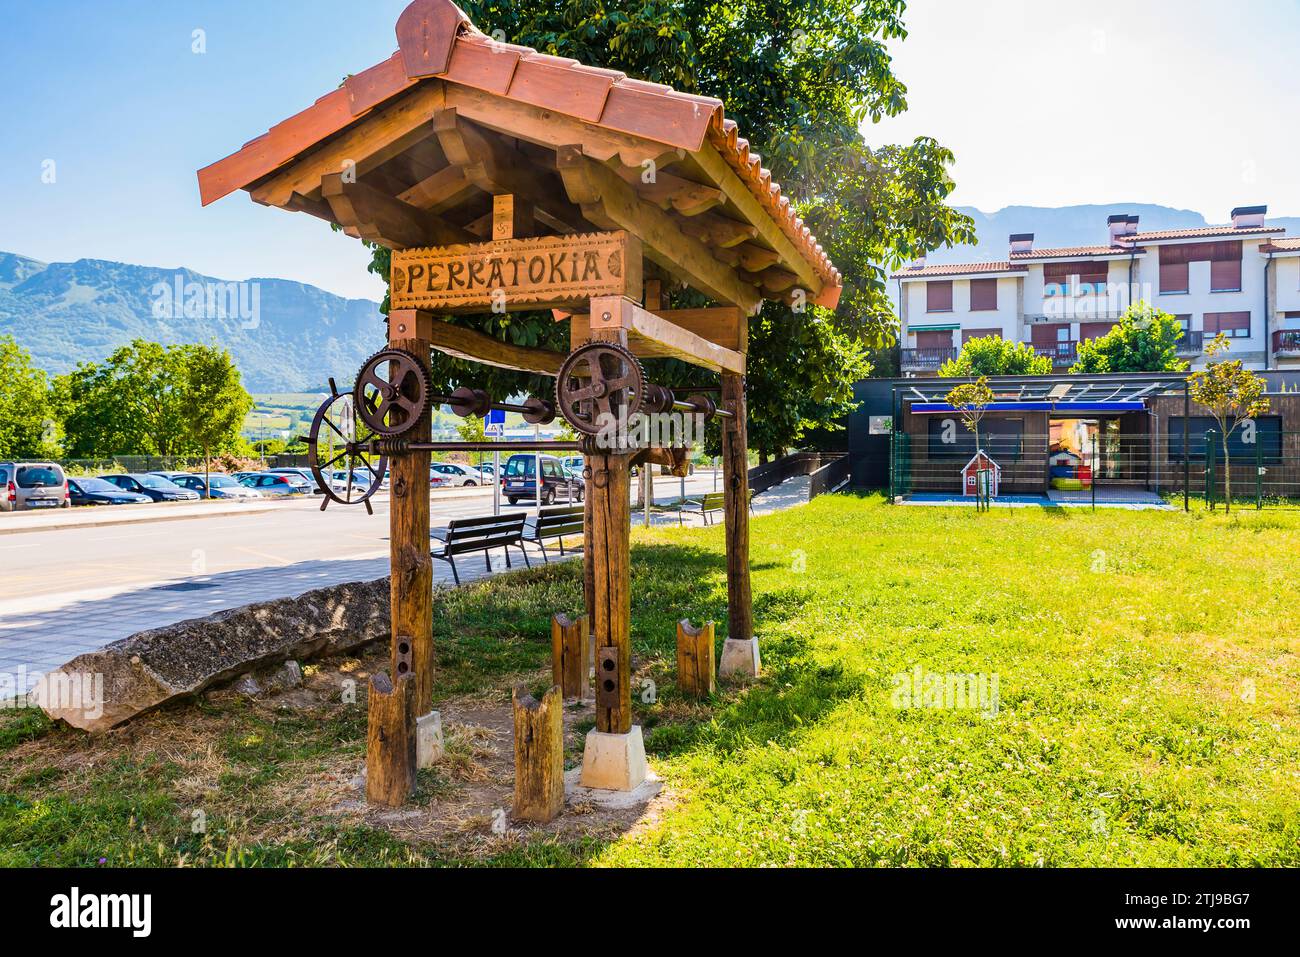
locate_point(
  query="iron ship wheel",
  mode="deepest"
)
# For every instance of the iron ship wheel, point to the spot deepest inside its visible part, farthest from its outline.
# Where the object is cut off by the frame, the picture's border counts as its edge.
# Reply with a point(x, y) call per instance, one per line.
point(341, 461)
point(598, 383)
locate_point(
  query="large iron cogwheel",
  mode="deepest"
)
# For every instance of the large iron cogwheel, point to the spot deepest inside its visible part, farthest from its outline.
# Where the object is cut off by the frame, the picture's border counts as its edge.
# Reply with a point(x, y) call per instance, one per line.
point(598, 383)
point(392, 392)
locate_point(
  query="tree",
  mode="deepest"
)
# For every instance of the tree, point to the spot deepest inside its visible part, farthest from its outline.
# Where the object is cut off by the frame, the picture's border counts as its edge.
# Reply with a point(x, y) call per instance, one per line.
point(212, 399)
point(150, 399)
point(993, 355)
point(1232, 394)
point(1144, 340)
point(970, 399)
point(26, 410)
point(800, 77)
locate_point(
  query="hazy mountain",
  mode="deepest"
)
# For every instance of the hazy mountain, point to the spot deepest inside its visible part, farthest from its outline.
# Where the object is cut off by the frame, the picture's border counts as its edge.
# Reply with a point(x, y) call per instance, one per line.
point(1071, 226)
point(284, 336)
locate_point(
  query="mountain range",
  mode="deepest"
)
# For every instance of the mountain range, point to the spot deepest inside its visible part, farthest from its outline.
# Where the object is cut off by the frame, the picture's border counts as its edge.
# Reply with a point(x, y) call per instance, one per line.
point(66, 313)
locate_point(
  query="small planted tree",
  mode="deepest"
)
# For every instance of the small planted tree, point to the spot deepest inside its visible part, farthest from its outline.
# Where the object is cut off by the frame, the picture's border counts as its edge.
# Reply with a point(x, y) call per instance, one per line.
point(970, 399)
point(1232, 394)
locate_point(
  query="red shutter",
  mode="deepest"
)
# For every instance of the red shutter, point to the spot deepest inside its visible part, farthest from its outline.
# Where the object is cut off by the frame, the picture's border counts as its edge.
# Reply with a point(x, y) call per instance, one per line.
point(1225, 275)
point(1173, 276)
point(1094, 330)
point(934, 340)
point(983, 294)
point(968, 334)
point(1044, 333)
point(1234, 324)
point(938, 296)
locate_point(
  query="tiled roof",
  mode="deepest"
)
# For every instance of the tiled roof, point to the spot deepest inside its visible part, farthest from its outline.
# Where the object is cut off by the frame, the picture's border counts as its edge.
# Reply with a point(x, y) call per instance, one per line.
point(1206, 232)
point(957, 269)
point(436, 39)
point(1281, 245)
point(1069, 252)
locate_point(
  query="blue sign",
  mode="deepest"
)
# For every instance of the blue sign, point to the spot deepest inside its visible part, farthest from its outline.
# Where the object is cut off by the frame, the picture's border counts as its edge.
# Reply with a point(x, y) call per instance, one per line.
point(495, 424)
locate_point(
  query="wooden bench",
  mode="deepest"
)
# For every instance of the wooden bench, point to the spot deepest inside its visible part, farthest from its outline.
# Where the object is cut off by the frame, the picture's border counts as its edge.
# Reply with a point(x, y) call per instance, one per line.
point(464, 535)
point(706, 504)
point(554, 523)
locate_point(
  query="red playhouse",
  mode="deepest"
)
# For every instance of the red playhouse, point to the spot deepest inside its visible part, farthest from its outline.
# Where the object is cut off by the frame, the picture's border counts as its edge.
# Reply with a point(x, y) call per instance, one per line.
point(970, 475)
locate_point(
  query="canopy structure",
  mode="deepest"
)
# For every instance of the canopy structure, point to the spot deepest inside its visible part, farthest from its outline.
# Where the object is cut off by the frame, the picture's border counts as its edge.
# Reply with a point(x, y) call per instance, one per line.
point(1110, 392)
point(410, 153)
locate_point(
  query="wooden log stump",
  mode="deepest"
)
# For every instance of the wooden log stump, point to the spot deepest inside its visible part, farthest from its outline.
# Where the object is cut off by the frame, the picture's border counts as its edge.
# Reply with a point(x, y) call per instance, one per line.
point(696, 673)
point(539, 756)
point(569, 666)
point(390, 740)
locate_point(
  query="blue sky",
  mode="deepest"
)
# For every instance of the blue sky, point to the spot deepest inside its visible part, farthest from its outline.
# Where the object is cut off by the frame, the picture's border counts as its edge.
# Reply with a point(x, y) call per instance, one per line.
point(1045, 103)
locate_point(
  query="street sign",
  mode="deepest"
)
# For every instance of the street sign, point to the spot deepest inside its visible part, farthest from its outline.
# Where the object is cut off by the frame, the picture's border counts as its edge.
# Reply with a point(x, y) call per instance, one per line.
point(494, 426)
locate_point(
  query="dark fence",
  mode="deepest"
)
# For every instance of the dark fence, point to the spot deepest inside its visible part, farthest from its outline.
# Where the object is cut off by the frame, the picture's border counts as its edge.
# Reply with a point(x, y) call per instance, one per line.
point(763, 477)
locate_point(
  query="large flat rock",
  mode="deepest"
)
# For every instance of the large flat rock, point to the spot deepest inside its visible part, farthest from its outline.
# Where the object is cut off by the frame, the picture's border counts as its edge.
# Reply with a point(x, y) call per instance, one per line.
point(105, 688)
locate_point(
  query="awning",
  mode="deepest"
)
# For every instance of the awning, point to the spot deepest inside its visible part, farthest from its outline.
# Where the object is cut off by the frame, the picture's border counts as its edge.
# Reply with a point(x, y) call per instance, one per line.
point(1057, 408)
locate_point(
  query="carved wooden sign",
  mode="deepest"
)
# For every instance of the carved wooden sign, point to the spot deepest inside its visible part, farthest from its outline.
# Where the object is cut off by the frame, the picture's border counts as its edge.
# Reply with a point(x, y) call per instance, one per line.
point(515, 274)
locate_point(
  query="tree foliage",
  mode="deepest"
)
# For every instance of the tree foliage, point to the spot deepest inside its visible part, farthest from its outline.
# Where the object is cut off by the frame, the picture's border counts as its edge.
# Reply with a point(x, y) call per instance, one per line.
point(993, 355)
point(150, 399)
point(970, 399)
point(800, 77)
point(1232, 394)
point(1144, 340)
point(25, 410)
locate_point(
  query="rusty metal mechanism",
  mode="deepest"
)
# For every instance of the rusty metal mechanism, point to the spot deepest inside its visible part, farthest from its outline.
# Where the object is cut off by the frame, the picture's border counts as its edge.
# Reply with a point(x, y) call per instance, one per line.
point(339, 444)
point(392, 392)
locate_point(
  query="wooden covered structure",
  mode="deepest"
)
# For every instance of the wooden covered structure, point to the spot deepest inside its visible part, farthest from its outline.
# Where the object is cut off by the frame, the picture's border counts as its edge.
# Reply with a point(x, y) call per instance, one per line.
point(505, 178)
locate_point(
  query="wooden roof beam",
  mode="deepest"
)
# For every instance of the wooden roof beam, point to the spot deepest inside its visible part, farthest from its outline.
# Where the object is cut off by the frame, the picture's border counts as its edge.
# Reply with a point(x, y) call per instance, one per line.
point(496, 167)
point(611, 203)
point(618, 313)
point(445, 189)
point(464, 343)
point(668, 191)
point(382, 219)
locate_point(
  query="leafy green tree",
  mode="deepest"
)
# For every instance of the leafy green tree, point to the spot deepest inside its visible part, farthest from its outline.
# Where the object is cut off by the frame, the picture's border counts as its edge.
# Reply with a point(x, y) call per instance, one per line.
point(26, 410)
point(212, 398)
point(1144, 340)
point(993, 355)
point(970, 399)
point(150, 399)
point(800, 77)
point(472, 429)
point(1233, 394)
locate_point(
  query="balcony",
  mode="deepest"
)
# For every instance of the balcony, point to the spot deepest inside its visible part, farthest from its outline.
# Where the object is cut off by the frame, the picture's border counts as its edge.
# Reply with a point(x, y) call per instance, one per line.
point(1061, 353)
point(1192, 343)
point(925, 360)
point(1286, 343)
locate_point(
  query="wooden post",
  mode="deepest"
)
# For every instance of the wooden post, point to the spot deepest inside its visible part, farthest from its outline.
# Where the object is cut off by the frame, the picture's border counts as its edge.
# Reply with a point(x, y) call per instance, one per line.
point(735, 477)
point(612, 603)
point(539, 756)
point(390, 740)
point(695, 663)
point(569, 666)
point(411, 584)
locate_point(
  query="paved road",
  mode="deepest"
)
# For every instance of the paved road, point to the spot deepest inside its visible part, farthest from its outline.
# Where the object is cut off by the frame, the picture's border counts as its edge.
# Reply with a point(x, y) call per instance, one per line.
point(69, 590)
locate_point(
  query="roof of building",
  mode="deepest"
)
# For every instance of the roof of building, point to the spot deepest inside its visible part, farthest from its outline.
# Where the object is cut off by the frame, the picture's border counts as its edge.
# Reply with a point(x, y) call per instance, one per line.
point(1290, 244)
point(1076, 252)
point(1206, 232)
point(436, 40)
point(957, 269)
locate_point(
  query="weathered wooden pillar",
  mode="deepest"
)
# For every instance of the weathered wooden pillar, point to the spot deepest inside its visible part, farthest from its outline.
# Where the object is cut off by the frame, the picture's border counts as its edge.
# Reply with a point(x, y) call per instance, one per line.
point(695, 667)
point(411, 584)
point(390, 740)
point(539, 756)
point(569, 664)
point(740, 652)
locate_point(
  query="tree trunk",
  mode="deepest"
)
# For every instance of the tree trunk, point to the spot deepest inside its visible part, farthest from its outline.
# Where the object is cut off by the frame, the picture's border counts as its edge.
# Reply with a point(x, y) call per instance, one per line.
point(1227, 474)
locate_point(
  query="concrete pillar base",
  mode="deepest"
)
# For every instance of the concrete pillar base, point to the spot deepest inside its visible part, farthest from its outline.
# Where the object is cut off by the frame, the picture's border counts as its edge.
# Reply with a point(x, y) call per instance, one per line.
point(739, 659)
point(614, 762)
point(428, 740)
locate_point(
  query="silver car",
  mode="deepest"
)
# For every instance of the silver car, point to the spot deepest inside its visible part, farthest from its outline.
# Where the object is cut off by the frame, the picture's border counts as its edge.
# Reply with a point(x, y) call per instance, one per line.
point(32, 485)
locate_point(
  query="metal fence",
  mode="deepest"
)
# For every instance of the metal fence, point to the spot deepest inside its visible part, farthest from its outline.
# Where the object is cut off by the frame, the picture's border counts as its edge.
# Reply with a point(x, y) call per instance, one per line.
point(1100, 466)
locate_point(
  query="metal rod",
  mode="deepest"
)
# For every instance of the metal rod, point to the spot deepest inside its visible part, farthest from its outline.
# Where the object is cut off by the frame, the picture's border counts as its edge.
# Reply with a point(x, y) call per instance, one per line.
point(529, 446)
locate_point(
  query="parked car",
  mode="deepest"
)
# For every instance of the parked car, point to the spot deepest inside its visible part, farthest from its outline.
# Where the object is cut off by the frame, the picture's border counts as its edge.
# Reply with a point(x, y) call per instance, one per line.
point(32, 485)
point(304, 472)
point(573, 463)
point(460, 475)
point(361, 479)
point(277, 483)
point(155, 486)
point(93, 491)
point(223, 486)
point(521, 480)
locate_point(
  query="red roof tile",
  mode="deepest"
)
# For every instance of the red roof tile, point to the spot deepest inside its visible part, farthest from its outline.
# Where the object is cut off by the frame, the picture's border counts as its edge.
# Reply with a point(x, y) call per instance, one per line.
point(436, 39)
point(957, 269)
point(1069, 252)
point(1281, 245)
point(1206, 231)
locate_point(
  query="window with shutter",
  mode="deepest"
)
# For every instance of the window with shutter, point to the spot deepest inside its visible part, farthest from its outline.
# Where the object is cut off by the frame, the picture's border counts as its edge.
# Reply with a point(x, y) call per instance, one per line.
point(1225, 275)
point(983, 295)
point(938, 296)
point(1235, 325)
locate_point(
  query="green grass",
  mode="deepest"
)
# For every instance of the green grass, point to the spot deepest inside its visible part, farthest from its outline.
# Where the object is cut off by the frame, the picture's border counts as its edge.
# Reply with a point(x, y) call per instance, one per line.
point(1147, 677)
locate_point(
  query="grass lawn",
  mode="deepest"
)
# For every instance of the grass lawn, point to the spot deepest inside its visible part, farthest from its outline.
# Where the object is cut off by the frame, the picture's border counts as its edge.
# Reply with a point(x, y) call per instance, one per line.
point(1147, 683)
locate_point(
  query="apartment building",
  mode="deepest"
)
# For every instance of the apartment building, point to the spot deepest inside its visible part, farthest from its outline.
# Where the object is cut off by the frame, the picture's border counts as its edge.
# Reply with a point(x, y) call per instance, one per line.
point(1241, 279)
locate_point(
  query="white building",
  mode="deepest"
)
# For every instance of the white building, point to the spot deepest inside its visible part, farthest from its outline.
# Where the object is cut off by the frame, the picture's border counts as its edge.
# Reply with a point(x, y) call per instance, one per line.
point(1241, 279)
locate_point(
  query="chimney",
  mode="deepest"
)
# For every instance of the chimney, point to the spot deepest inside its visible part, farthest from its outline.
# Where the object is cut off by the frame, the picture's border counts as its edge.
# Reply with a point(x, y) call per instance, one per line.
point(1022, 243)
point(1123, 227)
point(918, 262)
point(1247, 217)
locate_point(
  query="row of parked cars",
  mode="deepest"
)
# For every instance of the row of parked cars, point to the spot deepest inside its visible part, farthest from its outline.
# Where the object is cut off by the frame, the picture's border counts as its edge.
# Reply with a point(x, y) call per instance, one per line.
point(44, 485)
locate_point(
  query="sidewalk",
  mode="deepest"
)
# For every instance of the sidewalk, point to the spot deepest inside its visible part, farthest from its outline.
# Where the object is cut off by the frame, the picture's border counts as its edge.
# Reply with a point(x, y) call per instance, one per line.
point(39, 635)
